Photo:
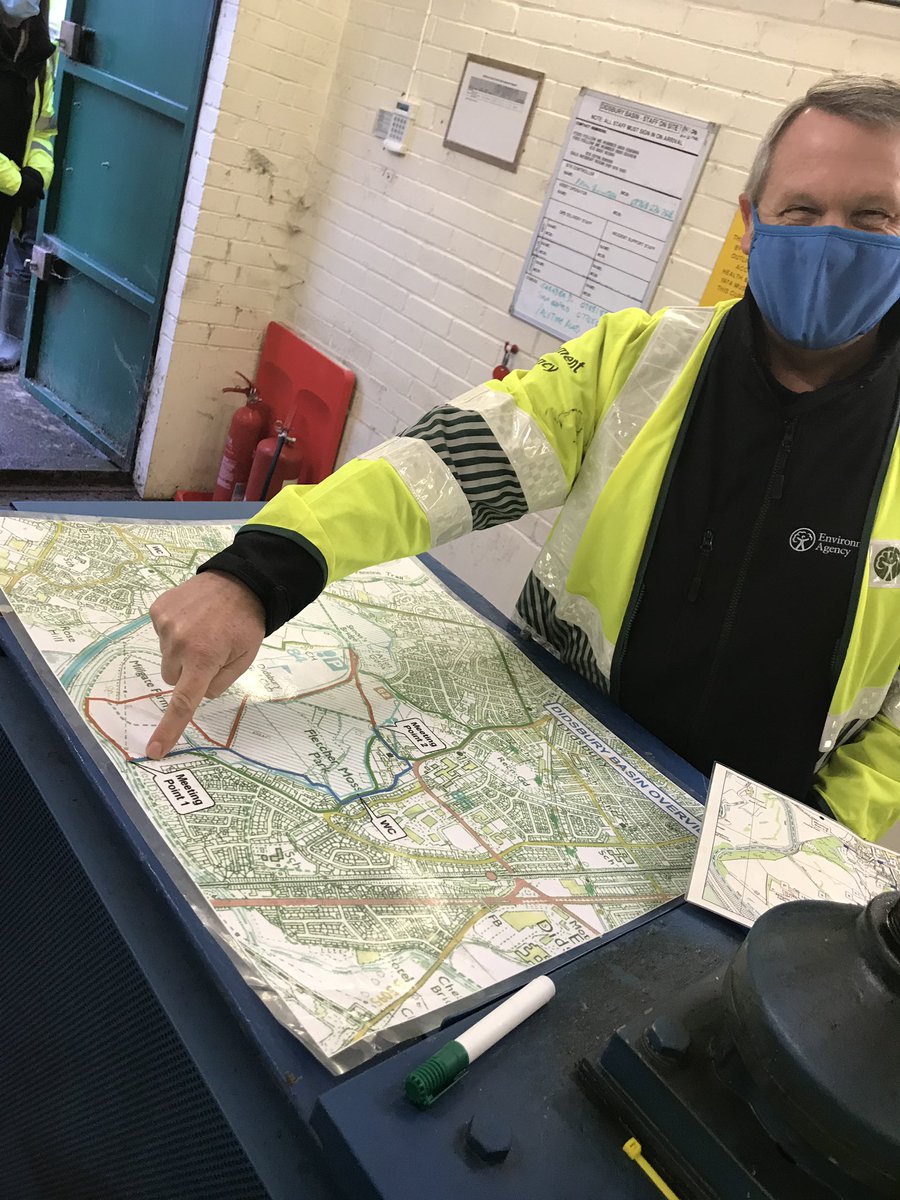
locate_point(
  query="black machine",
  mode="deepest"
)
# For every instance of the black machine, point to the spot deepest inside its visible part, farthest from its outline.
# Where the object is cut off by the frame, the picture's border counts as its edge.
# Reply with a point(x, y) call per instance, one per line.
point(779, 1077)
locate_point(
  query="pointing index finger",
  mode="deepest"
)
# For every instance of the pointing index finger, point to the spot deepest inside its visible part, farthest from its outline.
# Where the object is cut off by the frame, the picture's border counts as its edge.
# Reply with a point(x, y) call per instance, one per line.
point(183, 703)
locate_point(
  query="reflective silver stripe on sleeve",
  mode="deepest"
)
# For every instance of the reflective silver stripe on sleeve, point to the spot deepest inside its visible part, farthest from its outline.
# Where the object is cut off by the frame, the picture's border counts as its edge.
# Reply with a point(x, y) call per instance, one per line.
point(431, 484)
point(674, 340)
point(840, 727)
point(524, 443)
point(891, 706)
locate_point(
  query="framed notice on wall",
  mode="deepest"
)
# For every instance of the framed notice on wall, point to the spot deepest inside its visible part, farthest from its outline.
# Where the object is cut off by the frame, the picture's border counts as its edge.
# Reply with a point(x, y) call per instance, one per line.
point(613, 208)
point(492, 111)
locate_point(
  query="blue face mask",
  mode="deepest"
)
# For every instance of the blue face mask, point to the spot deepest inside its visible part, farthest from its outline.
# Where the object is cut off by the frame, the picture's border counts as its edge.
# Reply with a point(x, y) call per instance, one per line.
point(820, 286)
point(21, 10)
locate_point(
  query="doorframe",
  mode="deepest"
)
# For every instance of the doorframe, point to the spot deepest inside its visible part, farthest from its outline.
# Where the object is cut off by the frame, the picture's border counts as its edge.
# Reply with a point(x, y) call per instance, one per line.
point(212, 100)
point(155, 307)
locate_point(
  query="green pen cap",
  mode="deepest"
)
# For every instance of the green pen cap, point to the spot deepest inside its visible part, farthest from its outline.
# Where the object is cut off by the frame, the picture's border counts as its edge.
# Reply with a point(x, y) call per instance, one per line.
point(425, 1083)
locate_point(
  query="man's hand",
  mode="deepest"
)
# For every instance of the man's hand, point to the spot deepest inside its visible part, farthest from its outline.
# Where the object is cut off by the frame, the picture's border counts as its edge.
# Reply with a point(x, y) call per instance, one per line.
point(31, 188)
point(210, 630)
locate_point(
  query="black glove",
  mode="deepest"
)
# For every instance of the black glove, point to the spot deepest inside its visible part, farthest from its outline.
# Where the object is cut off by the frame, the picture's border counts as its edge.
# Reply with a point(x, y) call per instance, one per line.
point(31, 188)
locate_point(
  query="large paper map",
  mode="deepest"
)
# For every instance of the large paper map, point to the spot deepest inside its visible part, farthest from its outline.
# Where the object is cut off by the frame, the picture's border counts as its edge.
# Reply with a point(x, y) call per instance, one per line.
point(392, 810)
point(759, 848)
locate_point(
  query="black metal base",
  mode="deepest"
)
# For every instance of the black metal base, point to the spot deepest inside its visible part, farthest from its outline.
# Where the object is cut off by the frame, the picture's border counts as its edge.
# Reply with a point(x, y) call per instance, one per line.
point(665, 1076)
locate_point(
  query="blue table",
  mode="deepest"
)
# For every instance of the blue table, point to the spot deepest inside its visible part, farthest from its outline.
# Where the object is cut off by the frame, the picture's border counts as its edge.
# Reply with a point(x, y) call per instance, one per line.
point(135, 1062)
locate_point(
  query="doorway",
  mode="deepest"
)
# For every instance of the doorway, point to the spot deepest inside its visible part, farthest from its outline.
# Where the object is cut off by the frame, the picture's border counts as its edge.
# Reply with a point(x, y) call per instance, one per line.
point(129, 85)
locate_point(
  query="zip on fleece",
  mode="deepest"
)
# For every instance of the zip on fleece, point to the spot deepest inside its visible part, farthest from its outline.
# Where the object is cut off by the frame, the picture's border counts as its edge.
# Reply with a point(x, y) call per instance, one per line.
point(637, 592)
point(774, 491)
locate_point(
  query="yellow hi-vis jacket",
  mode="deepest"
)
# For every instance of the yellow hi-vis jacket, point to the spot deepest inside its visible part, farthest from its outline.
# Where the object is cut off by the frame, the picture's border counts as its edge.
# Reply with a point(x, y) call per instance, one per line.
point(592, 427)
point(39, 148)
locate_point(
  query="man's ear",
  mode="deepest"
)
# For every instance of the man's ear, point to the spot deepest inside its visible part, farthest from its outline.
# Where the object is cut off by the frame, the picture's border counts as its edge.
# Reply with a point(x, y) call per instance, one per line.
point(747, 214)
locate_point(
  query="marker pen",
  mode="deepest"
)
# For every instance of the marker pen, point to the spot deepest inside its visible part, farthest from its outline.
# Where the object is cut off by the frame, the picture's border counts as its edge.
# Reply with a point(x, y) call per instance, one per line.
point(426, 1083)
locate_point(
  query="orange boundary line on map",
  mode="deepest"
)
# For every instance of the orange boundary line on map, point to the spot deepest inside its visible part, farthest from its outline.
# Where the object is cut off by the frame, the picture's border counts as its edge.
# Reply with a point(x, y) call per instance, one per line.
point(351, 677)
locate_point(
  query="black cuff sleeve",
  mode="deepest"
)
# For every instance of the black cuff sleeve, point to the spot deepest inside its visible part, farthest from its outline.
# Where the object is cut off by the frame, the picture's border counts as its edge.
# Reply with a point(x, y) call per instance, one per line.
point(283, 570)
point(31, 188)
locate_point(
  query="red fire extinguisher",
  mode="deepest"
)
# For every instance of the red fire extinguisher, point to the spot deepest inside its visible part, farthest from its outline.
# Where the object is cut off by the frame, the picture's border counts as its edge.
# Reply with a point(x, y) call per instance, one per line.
point(246, 428)
point(276, 464)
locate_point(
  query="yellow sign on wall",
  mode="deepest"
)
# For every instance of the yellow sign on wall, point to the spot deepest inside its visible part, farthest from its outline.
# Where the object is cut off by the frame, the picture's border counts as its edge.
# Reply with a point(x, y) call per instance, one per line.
point(729, 275)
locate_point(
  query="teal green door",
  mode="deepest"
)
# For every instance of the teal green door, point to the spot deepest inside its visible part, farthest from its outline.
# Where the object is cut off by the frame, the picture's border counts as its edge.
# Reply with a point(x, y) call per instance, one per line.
point(127, 104)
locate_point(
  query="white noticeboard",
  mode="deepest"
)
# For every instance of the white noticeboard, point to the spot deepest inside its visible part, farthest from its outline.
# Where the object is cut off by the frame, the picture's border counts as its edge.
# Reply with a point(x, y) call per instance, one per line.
point(613, 208)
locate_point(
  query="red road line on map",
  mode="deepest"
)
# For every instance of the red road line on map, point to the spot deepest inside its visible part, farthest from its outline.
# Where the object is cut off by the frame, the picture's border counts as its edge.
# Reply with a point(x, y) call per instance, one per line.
point(465, 824)
point(405, 901)
point(562, 902)
point(416, 901)
point(495, 854)
point(354, 674)
point(102, 731)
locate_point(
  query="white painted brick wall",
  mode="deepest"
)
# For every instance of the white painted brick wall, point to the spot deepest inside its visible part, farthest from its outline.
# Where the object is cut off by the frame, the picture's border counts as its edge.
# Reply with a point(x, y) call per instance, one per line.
point(246, 201)
point(409, 265)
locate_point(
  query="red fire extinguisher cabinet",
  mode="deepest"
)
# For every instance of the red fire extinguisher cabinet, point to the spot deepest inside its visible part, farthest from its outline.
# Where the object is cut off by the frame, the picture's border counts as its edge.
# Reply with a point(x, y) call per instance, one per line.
point(311, 392)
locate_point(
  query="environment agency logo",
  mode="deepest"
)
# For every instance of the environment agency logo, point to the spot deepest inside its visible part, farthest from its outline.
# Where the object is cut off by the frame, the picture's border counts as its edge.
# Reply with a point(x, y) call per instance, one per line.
point(803, 539)
point(886, 565)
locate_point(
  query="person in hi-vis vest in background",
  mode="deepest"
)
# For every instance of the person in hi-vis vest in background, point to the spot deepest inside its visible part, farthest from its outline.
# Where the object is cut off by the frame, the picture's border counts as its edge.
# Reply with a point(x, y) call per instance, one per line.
point(726, 563)
point(27, 130)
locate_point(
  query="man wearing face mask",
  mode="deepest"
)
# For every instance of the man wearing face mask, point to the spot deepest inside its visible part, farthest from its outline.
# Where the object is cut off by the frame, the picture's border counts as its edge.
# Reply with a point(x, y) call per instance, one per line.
point(727, 560)
point(27, 132)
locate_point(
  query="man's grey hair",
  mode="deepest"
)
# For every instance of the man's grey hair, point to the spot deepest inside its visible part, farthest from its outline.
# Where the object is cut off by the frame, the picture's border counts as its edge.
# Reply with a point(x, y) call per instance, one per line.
point(865, 99)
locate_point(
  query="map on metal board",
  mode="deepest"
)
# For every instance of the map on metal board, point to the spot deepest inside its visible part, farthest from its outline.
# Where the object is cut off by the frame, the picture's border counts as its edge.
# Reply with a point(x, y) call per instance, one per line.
point(759, 849)
point(393, 810)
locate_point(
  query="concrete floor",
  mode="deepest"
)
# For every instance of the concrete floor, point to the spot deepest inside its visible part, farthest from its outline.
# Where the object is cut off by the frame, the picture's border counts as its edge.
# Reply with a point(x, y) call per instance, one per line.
point(33, 439)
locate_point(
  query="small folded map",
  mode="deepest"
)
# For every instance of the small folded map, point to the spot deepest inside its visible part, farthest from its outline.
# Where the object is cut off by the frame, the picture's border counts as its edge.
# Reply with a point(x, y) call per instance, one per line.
point(759, 848)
